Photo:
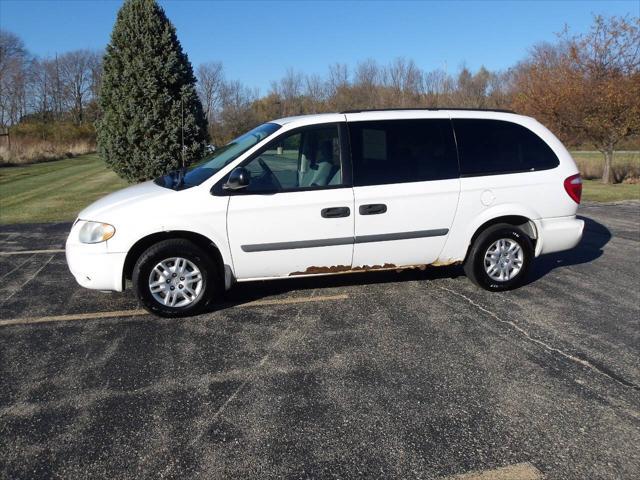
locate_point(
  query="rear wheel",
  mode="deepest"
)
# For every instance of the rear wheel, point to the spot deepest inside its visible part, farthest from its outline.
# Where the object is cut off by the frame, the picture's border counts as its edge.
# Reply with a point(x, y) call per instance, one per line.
point(500, 258)
point(174, 278)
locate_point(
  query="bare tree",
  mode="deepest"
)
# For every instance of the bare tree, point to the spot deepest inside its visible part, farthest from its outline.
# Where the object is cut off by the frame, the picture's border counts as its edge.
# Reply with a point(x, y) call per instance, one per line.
point(500, 89)
point(291, 84)
point(367, 73)
point(237, 115)
point(366, 84)
point(438, 87)
point(289, 92)
point(315, 90)
point(13, 78)
point(338, 91)
point(76, 71)
point(95, 72)
point(41, 88)
point(338, 77)
point(210, 88)
point(404, 80)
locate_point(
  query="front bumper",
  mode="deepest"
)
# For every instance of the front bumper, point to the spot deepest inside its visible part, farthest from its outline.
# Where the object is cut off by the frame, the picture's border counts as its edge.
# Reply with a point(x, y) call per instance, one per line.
point(94, 267)
point(558, 234)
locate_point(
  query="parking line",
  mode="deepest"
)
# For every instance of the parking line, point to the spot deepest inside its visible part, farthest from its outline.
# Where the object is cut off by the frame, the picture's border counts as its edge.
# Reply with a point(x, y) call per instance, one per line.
point(31, 252)
point(289, 301)
point(519, 471)
point(78, 316)
point(139, 312)
point(35, 274)
point(18, 267)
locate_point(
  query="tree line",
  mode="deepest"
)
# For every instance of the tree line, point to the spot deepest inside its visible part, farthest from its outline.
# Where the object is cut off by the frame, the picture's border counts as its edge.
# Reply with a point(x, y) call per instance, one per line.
point(64, 87)
point(231, 107)
point(585, 88)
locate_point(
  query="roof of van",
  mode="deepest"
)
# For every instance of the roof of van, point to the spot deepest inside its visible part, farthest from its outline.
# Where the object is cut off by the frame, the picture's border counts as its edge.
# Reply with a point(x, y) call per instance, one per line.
point(427, 109)
point(396, 112)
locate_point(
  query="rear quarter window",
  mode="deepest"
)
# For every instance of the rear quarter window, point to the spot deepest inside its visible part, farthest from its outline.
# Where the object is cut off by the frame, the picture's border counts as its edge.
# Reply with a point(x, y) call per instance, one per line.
point(402, 151)
point(491, 147)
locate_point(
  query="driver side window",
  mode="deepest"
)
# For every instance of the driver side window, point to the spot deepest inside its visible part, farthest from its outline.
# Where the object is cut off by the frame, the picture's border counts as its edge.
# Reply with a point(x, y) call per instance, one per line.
point(303, 159)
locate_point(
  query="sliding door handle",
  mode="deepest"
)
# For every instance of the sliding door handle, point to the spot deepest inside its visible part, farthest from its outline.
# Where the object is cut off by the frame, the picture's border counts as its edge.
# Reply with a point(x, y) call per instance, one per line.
point(335, 212)
point(372, 209)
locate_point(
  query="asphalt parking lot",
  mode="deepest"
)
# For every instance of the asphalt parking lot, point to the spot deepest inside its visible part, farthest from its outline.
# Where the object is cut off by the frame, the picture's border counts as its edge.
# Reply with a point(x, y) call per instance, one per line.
point(379, 375)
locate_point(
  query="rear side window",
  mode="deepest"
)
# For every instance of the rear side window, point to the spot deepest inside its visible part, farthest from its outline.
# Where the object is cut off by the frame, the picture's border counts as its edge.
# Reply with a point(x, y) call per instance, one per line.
point(489, 147)
point(401, 151)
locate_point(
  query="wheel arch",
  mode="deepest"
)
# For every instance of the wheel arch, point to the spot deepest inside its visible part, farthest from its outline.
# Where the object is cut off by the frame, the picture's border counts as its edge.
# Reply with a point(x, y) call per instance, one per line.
point(147, 241)
point(521, 221)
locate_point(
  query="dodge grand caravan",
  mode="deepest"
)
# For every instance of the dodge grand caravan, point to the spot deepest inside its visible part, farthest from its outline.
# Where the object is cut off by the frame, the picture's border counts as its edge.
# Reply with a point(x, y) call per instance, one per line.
point(336, 193)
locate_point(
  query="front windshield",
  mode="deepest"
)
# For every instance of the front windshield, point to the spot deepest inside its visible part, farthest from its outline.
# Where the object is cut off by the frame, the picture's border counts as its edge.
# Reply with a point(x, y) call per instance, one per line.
point(213, 163)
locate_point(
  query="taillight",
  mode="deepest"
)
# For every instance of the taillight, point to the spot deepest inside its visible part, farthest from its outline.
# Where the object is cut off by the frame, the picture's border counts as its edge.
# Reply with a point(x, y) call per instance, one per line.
point(573, 186)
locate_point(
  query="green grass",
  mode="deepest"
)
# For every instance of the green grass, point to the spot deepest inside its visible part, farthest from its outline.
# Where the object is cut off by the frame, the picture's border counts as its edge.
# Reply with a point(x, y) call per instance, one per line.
point(57, 191)
point(596, 191)
point(590, 165)
point(54, 191)
point(625, 164)
point(597, 157)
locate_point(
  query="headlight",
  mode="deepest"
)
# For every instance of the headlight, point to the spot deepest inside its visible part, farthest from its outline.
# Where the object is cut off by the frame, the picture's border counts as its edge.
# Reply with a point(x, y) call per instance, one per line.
point(95, 232)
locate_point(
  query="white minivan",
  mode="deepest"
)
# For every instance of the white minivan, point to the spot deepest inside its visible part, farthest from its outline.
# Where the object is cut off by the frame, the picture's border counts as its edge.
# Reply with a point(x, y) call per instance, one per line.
point(337, 193)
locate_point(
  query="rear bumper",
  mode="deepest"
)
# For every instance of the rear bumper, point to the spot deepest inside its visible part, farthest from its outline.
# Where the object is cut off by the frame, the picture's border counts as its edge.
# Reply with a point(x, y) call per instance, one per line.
point(558, 234)
point(95, 268)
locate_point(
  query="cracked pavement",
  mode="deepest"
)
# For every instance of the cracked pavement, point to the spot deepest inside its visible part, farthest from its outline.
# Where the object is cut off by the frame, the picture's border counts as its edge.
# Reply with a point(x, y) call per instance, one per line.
point(382, 374)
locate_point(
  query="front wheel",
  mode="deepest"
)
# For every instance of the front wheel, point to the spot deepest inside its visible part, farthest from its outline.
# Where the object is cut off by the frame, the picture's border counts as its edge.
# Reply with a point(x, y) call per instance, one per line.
point(174, 278)
point(500, 258)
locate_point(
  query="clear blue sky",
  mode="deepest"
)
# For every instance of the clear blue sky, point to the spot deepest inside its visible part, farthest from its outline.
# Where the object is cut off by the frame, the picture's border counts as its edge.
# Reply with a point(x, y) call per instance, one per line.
point(258, 41)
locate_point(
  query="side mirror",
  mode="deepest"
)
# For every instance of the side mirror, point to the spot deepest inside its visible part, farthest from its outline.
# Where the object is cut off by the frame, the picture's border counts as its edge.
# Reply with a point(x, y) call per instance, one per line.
point(238, 179)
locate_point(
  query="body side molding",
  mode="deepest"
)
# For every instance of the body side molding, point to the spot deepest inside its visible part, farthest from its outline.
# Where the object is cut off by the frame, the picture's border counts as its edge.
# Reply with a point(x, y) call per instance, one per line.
point(330, 242)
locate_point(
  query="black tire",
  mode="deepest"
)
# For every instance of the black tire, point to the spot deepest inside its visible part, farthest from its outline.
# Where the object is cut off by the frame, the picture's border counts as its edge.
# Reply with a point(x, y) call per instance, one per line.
point(474, 266)
point(175, 248)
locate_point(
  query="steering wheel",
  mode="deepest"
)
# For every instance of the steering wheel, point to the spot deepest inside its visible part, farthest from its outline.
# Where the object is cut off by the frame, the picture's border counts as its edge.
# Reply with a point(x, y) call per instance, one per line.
point(269, 172)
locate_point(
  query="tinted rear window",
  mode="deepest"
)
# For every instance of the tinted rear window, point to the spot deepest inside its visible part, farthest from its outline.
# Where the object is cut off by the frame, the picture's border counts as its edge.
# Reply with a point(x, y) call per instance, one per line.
point(489, 147)
point(399, 151)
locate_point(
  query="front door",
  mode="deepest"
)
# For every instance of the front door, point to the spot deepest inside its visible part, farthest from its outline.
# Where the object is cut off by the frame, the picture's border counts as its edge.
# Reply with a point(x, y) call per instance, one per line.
point(406, 189)
point(295, 217)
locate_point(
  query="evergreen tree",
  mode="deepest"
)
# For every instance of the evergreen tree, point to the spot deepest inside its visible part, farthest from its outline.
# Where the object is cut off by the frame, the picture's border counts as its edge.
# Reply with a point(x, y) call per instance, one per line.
point(148, 97)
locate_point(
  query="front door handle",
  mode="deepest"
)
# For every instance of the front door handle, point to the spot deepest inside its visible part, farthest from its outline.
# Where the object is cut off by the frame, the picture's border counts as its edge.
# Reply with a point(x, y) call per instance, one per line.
point(372, 209)
point(335, 212)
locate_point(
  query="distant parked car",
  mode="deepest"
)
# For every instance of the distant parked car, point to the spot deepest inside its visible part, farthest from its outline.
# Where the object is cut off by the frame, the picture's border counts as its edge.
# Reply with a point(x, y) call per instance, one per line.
point(336, 193)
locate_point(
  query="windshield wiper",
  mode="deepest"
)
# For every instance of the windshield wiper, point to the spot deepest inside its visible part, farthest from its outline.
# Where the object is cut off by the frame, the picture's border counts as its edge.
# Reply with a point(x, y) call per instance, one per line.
point(173, 179)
